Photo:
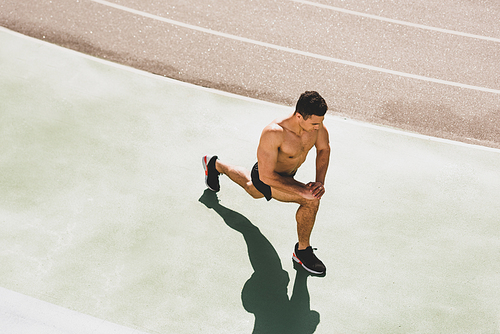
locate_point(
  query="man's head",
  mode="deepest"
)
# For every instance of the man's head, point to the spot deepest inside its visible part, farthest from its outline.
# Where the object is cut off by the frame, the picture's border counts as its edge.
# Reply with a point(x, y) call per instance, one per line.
point(311, 103)
point(310, 111)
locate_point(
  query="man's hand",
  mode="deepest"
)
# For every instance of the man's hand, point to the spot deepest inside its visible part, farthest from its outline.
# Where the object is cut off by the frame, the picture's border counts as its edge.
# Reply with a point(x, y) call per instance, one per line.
point(317, 189)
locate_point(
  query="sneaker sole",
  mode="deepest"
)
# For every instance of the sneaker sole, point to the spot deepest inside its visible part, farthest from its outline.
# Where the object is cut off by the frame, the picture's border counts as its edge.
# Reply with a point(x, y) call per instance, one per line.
point(204, 161)
point(296, 259)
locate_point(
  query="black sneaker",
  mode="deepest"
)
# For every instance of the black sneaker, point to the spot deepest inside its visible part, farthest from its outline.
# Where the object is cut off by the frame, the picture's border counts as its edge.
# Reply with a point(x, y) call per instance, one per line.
point(308, 260)
point(211, 173)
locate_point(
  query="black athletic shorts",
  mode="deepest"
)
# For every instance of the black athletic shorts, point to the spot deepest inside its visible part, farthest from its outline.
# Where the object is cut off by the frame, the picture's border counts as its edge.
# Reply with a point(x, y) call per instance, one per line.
point(261, 186)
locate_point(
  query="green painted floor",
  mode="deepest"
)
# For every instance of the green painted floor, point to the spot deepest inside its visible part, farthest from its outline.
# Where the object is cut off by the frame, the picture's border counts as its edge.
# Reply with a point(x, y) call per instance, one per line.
point(103, 211)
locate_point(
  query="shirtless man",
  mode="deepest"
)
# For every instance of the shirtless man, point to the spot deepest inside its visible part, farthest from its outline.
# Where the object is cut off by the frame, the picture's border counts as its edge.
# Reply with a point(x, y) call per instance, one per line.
point(283, 148)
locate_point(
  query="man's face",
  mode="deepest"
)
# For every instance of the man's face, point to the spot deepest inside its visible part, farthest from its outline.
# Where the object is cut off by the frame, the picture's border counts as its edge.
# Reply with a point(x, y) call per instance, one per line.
point(313, 123)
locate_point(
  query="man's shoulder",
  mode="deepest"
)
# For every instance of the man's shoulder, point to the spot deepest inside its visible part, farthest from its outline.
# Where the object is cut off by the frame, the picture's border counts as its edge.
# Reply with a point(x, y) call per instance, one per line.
point(275, 128)
point(273, 133)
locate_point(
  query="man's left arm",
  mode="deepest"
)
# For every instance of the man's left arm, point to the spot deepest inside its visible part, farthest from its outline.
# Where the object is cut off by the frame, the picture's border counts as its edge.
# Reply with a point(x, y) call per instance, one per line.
point(322, 161)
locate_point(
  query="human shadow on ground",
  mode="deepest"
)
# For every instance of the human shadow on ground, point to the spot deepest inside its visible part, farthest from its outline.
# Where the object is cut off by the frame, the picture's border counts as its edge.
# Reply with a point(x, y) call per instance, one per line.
point(265, 292)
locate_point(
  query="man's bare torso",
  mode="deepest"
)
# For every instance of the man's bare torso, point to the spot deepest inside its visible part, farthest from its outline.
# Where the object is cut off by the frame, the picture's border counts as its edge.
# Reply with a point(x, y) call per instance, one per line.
point(294, 149)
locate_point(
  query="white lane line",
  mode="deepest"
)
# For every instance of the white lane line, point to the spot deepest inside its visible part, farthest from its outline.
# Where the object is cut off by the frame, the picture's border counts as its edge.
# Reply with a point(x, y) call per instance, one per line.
point(281, 108)
point(409, 24)
point(294, 51)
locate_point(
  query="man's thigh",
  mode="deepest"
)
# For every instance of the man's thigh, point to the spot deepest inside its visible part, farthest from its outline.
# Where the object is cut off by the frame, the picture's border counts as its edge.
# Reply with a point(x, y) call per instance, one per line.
point(287, 197)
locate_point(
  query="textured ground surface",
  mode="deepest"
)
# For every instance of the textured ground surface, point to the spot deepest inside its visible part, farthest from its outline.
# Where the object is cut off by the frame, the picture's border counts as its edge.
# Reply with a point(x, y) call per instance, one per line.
point(269, 50)
point(104, 212)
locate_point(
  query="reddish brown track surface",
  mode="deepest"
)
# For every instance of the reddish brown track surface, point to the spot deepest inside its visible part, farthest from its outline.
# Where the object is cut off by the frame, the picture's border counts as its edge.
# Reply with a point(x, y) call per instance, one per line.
point(275, 74)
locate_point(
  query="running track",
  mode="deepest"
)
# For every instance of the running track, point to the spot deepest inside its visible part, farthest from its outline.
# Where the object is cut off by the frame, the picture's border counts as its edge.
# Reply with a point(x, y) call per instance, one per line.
point(428, 67)
point(93, 218)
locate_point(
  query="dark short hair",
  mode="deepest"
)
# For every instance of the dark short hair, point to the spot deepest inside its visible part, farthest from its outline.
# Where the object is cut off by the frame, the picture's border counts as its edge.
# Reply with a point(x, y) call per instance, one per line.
point(311, 103)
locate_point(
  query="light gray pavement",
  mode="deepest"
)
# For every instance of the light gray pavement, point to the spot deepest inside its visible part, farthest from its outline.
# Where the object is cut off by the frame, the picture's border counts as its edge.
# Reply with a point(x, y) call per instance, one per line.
point(21, 314)
point(102, 211)
point(453, 41)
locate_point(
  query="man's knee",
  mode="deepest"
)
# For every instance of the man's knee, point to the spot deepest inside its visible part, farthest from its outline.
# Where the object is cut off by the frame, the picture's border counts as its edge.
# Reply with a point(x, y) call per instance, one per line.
point(310, 203)
point(250, 188)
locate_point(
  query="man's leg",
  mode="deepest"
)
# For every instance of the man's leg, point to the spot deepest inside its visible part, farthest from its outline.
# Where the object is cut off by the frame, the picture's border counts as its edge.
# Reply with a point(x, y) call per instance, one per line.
point(239, 175)
point(306, 214)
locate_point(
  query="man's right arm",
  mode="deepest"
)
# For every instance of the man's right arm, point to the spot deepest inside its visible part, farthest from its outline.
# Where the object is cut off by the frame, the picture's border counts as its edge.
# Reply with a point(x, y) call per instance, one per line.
point(267, 156)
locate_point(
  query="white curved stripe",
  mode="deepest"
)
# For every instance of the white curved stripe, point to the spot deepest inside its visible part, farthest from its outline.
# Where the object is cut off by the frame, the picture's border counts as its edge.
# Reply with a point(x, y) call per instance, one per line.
point(294, 51)
point(281, 108)
point(409, 24)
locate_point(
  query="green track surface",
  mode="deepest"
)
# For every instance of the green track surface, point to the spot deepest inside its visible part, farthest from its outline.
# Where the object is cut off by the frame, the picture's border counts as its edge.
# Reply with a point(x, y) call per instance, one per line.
point(103, 210)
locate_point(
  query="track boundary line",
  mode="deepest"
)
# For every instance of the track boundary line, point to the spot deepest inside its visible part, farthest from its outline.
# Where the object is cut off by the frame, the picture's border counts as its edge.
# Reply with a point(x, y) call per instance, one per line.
point(281, 107)
point(386, 19)
point(295, 51)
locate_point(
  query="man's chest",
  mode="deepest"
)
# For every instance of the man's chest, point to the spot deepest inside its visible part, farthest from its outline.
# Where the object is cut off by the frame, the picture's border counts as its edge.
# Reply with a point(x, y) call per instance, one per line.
point(294, 146)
